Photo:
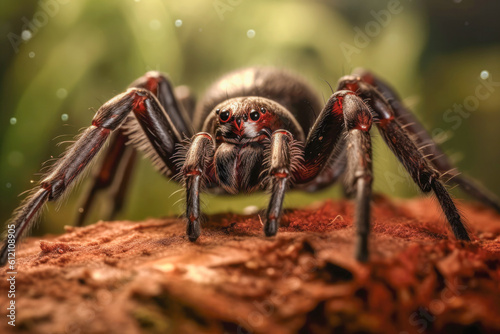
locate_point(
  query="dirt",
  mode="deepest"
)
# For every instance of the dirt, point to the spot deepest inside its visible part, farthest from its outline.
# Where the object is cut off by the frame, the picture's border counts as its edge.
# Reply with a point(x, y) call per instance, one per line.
point(146, 277)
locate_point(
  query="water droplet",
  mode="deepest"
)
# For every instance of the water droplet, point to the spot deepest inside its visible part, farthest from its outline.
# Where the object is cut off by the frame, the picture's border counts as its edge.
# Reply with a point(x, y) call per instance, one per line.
point(484, 75)
point(8, 185)
point(61, 93)
point(251, 33)
point(13, 120)
point(31, 54)
point(81, 209)
point(178, 23)
point(26, 35)
point(155, 24)
point(32, 181)
point(64, 117)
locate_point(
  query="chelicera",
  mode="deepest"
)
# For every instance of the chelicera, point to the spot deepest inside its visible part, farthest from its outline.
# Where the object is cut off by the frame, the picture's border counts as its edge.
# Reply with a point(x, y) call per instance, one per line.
point(255, 129)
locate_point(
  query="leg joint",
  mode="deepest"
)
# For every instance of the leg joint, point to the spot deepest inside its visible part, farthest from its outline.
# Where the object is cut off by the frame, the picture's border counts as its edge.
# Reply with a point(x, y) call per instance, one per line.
point(111, 114)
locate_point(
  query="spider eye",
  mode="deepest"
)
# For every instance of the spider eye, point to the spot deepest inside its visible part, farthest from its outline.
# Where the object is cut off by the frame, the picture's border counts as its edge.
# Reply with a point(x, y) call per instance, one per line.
point(254, 115)
point(263, 110)
point(224, 115)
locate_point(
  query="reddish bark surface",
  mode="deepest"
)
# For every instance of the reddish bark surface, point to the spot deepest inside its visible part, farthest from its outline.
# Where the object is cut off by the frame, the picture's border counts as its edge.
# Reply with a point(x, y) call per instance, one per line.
point(132, 277)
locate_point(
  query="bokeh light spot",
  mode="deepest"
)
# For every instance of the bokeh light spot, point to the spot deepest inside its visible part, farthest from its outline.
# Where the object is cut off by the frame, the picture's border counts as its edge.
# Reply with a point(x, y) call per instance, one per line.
point(155, 24)
point(61, 93)
point(485, 75)
point(26, 35)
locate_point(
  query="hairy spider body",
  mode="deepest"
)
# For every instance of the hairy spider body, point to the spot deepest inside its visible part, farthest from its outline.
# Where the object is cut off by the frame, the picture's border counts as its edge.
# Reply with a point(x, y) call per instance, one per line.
point(256, 128)
point(256, 106)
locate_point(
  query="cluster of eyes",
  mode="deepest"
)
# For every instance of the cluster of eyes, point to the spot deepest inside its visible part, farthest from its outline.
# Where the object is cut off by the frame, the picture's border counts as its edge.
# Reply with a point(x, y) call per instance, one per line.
point(254, 115)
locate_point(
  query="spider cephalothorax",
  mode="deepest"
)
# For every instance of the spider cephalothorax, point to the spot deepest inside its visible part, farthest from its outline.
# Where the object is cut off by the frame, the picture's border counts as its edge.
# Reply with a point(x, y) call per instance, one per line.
point(243, 127)
point(256, 128)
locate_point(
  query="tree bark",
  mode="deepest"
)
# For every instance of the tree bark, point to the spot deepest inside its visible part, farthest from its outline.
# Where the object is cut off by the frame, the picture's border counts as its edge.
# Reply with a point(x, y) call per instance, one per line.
point(146, 277)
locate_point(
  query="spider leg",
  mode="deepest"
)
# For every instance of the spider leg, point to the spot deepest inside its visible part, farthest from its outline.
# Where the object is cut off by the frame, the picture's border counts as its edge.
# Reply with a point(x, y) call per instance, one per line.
point(359, 182)
point(427, 145)
point(333, 171)
point(119, 188)
point(279, 159)
point(400, 143)
point(422, 173)
point(115, 172)
point(153, 121)
point(194, 172)
point(343, 112)
point(344, 123)
point(162, 88)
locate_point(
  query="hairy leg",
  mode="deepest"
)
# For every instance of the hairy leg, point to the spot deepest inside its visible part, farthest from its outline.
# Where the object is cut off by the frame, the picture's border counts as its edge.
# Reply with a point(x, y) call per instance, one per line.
point(115, 171)
point(278, 160)
point(359, 182)
point(157, 128)
point(194, 170)
point(427, 145)
point(398, 140)
point(345, 120)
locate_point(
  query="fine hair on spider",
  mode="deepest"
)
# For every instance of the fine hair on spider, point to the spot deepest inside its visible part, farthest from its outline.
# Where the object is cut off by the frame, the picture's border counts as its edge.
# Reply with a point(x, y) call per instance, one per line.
point(257, 128)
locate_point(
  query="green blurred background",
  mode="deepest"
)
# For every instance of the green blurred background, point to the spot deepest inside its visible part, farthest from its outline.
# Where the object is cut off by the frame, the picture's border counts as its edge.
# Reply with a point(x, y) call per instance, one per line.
point(78, 54)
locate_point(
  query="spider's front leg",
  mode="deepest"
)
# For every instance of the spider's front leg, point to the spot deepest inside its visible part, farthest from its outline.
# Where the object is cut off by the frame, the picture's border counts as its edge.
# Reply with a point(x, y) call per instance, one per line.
point(156, 125)
point(279, 168)
point(345, 119)
point(199, 157)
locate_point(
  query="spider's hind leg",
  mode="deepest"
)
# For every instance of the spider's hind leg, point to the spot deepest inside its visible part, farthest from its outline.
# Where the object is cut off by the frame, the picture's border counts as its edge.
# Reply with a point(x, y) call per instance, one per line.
point(422, 173)
point(157, 129)
point(427, 145)
point(401, 144)
point(114, 173)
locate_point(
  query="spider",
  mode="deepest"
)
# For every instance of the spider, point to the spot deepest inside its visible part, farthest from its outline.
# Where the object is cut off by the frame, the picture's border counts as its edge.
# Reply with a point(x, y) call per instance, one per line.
point(255, 129)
